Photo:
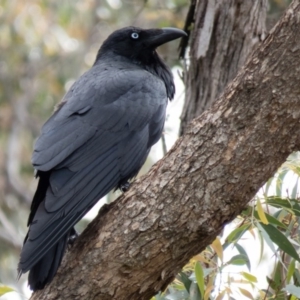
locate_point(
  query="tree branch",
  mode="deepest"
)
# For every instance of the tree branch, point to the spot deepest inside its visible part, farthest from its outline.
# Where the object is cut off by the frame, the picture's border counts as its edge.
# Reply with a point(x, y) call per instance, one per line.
point(136, 245)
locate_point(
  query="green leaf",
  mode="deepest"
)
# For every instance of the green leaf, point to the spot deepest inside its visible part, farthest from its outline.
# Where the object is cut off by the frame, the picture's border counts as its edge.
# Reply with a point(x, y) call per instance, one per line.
point(292, 289)
point(247, 211)
point(266, 237)
point(272, 283)
point(281, 240)
point(291, 270)
point(194, 292)
point(277, 275)
point(185, 280)
point(199, 277)
point(236, 234)
point(290, 205)
point(238, 260)
point(275, 221)
point(296, 277)
point(5, 289)
point(242, 251)
point(249, 277)
point(262, 243)
point(280, 295)
point(206, 272)
point(280, 213)
point(270, 219)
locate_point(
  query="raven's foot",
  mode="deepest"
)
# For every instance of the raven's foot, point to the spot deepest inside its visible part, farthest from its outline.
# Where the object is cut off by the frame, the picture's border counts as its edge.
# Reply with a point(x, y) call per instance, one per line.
point(72, 237)
point(125, 187)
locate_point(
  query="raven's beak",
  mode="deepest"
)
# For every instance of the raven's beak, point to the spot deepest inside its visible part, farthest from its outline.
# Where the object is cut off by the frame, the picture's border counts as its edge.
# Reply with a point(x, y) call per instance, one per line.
point(164, 35)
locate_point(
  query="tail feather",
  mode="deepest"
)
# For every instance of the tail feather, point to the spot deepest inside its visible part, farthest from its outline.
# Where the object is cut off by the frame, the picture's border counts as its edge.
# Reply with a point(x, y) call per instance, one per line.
point(43, 271)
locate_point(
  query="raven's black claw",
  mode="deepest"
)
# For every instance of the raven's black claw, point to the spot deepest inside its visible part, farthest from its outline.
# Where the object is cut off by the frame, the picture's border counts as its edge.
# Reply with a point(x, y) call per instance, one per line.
point(72, 237)
point(125, 187)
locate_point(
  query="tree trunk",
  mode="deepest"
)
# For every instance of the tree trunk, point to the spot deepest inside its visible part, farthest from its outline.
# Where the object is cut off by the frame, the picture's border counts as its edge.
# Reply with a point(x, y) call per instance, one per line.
point(225, 33)
point(137, 244)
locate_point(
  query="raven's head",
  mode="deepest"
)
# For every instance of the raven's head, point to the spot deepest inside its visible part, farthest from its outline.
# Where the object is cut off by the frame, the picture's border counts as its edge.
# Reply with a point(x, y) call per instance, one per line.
point(138, 44)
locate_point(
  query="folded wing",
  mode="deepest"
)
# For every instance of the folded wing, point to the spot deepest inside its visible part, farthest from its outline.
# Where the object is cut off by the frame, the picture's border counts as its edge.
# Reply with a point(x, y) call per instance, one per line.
point(97, 140)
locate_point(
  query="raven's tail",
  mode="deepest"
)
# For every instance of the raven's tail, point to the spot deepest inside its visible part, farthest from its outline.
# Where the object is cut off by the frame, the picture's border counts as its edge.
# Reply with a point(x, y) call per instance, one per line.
point(44, 271)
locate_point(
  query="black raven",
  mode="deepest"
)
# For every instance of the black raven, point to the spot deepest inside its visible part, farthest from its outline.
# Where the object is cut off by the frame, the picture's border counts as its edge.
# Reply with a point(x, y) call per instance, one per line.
point(97, 139)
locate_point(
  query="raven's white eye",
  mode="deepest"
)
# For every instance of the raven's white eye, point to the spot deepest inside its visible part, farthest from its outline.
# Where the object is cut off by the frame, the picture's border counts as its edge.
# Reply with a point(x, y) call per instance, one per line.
point(135, 35)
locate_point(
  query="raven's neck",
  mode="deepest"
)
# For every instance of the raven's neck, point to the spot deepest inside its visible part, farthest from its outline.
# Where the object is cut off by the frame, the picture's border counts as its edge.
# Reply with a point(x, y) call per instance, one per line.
point(150, 62)
point(157, 67)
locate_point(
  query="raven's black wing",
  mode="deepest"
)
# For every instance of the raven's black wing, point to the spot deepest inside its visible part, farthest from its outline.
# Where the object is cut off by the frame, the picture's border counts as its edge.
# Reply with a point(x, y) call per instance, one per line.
point(98, 139)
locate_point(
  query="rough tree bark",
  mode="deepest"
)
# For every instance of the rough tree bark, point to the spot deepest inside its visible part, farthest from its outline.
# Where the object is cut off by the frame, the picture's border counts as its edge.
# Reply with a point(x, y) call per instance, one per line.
point(136, 245)
point(224, 34)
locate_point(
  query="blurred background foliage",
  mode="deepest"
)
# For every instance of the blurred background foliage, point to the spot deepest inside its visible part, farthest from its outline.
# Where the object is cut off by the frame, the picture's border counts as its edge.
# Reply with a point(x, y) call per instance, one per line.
point(44, 47)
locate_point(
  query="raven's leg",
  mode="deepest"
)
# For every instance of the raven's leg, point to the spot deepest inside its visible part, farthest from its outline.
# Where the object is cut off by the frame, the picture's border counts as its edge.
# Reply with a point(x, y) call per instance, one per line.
point(125, 187)
point(72, 237)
